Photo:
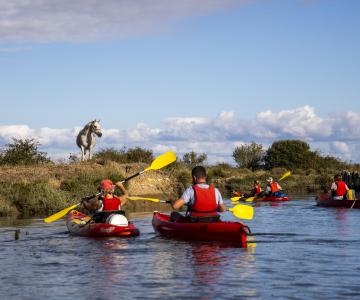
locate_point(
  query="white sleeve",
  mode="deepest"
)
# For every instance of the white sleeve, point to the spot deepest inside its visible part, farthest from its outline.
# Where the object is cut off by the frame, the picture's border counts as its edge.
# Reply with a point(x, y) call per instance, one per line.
point(219, 199)
point(188, 195)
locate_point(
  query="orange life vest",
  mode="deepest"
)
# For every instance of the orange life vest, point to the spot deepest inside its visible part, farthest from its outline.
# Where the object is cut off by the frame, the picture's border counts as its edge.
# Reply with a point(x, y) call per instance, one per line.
point(110, 204)
point(204, 202)
point(257, 189)
point(341, 188)
point(274, 187)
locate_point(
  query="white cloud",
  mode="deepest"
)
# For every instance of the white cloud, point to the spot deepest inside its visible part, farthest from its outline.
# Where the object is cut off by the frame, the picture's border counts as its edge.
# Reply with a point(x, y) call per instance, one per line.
point(217, 137)
point(90, 20)
point(301, 123)
point(340, 149)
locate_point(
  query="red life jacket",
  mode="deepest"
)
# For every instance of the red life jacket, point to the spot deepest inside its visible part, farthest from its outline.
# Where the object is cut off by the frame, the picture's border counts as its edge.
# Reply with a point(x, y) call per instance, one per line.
point(257, 189)
point(341, 188)
point(110, 204)
point(204, 202)
point(274, 187)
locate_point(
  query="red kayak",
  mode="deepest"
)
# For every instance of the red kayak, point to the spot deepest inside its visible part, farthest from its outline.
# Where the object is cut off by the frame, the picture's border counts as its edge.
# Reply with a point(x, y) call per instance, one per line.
point(234, 232)
point(273, 198)
point(326, 200)
point(78, 224)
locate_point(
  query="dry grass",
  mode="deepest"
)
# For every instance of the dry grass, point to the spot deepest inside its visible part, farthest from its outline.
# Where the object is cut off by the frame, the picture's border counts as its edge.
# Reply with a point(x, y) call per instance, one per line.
point(44, 189)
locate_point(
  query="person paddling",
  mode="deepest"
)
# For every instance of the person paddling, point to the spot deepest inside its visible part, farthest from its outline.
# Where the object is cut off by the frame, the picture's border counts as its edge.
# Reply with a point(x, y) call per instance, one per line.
point(107, 201)
point(338, 188)
point(273, 188)
point(204, 201)
point(256, 191)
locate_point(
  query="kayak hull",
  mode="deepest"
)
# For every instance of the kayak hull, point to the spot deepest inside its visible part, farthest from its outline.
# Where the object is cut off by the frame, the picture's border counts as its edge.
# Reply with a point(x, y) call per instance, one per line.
point(77, 224)
point(234, 232)
point(326, 201)
point(273, 199)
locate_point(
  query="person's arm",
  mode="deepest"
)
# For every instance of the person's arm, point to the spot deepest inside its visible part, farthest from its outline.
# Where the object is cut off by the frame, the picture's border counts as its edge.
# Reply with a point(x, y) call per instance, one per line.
point(221, 206)
point(177, 204)
point(184, 199)
point(125, 195)
point(333, 186)
point(279, 187)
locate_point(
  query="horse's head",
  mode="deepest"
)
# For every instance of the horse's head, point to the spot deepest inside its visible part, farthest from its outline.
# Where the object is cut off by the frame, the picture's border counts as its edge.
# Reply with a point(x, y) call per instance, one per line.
point(96, 128)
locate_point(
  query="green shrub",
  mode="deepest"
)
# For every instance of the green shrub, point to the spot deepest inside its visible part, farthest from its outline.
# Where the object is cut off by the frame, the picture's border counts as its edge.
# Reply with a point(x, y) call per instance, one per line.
point(132, 155)
point(248, 156)
point(36, 198)
point(22, 152)
point(323, 181)
point(192, 159)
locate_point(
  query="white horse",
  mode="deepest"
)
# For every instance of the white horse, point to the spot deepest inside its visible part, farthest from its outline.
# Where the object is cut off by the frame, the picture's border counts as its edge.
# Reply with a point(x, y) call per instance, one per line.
point(86, 138)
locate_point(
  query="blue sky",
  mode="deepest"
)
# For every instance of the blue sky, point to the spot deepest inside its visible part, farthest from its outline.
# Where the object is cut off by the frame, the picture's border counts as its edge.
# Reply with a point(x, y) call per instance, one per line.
point(148, 66)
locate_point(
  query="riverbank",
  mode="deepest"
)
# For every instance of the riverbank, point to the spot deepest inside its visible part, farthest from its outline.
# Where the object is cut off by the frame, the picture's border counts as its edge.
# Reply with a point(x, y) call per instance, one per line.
point(41, 190)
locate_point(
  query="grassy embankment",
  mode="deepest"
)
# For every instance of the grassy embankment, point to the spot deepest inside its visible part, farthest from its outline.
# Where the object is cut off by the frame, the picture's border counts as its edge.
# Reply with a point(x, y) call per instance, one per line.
point(41, 190)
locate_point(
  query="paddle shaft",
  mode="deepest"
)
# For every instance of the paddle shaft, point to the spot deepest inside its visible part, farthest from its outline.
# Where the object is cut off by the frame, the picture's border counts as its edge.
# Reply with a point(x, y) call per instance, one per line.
point(353, 203)
point(132, 176)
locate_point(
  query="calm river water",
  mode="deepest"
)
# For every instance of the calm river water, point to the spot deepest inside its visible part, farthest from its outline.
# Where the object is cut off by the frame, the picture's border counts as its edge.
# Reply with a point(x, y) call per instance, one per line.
point(300, 251)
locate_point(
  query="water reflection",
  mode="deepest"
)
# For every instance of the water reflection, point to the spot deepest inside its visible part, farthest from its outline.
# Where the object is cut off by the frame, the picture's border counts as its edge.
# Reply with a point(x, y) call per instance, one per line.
point(207, 262)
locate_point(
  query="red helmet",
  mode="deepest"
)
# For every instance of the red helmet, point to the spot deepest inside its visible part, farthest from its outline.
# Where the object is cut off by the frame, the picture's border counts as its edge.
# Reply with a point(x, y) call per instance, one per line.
point(106, 185)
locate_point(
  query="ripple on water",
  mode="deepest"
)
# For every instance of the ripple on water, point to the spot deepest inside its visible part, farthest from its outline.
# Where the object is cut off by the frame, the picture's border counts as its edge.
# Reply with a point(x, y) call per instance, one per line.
point(297, 251)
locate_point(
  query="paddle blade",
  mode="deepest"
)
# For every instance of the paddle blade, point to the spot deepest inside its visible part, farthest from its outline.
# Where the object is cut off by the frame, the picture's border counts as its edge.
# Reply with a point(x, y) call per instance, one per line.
point(146, 199)
point(251, 199)
point(287, 174)
point(235, 198)
point(162, 161)
point(242, 211)
point(59, 214)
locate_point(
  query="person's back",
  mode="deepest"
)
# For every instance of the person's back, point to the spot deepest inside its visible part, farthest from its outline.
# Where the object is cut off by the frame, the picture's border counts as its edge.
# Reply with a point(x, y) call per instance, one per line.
point(272, 188)
point(203, 200)
point(338, 188)
point(101, 207)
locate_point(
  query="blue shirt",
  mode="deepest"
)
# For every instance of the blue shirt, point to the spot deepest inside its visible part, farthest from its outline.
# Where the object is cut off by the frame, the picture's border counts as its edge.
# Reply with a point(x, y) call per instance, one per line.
point(188, 195)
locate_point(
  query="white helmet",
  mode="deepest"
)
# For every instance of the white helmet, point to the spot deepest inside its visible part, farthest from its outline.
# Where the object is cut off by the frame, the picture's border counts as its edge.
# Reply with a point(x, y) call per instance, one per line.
point(118, 220)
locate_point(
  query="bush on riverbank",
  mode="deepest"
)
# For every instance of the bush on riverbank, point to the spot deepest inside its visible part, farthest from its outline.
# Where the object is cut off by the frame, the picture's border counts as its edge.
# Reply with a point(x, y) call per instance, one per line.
point(41, 190)
point(22, 152)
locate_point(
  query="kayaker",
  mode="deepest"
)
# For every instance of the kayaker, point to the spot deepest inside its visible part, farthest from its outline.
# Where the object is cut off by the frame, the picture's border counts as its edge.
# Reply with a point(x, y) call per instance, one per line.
point(338, 188)
point(107, 201)
point(204, 201)
point(273, 188)
point(256, 191)
point(236, 194)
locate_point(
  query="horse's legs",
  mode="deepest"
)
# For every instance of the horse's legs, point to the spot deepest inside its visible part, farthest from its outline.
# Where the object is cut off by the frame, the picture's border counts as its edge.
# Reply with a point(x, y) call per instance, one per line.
point(91, 149)
point(82, 153)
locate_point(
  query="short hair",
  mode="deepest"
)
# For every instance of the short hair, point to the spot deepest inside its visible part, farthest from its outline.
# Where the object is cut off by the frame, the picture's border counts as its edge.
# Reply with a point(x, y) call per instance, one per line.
point(198, 172)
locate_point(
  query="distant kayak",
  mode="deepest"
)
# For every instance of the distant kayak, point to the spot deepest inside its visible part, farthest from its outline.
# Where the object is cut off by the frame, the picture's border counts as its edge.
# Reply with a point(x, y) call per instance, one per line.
point(234, 232)
point(81, 224)
point(283, 197)
point(327, 201)
point(273, 198)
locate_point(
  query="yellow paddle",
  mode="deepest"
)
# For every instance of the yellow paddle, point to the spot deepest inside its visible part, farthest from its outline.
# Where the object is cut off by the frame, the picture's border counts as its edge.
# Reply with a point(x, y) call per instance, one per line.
point(60, 214)
point(158, 163)
point(287, 174)
point(149, 199)
point(240, 211)
point(234, 199)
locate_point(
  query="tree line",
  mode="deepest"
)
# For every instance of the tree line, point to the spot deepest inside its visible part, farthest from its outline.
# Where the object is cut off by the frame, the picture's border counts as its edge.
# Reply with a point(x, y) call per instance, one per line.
point(288, 154)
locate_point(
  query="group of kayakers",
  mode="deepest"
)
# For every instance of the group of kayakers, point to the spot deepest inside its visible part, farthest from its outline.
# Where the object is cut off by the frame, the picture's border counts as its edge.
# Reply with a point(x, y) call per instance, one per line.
point(203, 200)
point(272, 189)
